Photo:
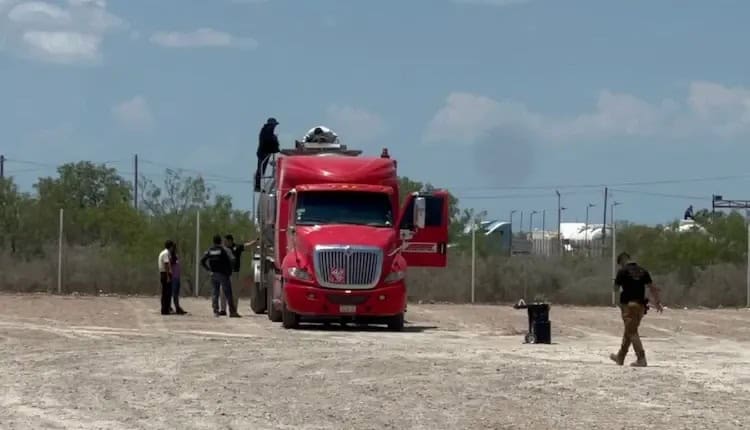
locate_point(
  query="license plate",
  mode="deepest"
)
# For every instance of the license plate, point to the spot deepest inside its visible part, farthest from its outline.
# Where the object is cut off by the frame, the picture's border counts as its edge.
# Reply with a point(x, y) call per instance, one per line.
point(347, 309)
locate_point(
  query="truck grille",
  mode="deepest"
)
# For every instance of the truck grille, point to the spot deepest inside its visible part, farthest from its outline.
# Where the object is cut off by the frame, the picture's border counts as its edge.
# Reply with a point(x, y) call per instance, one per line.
point(348, 267)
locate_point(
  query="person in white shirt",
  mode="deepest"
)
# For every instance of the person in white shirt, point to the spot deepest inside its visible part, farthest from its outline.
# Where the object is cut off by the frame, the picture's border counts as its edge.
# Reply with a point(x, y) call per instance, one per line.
point(320, 134)
point(165, 277)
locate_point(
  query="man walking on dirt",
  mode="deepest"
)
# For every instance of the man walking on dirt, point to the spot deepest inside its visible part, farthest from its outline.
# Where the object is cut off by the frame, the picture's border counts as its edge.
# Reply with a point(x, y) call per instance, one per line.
point(633, 279)
point(218, 261)
point(237, 250)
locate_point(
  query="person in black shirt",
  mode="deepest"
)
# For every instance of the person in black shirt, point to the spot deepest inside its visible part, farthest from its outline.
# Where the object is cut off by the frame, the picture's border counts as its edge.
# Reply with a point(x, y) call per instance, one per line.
point(218, 260)
point(237, 250)
point(268, 143)
point(633, 280)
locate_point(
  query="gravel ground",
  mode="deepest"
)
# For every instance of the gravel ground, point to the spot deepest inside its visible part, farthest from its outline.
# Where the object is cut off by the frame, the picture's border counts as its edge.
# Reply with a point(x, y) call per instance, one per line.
point(115, 363)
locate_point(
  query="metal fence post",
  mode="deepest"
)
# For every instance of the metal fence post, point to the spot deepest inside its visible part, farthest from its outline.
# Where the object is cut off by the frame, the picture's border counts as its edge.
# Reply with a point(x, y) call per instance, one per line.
point(197, 250)
point(747, 298)
point(60, 253)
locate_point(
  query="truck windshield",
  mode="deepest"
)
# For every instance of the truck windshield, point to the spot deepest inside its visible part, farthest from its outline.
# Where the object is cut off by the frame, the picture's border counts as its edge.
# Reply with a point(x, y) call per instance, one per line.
point(344, 207)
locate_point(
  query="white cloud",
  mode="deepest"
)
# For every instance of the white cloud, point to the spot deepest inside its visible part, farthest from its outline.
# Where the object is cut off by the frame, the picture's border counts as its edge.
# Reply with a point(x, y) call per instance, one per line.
point(36, 12)
point(61, 32)
point(710, 109)
point(355, 124)
point(202, 38)
point(466, 117)
point(134, 114)
point(62, 46)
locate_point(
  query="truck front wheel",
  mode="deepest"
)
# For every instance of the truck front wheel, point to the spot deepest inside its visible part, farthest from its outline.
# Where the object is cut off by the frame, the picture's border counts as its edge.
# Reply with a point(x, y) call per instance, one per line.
point(396, 323)
point(273, 314)
point(288, 318)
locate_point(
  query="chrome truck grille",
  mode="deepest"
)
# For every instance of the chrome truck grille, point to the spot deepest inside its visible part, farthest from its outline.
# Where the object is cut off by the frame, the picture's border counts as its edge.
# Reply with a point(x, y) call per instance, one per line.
point(348, 267)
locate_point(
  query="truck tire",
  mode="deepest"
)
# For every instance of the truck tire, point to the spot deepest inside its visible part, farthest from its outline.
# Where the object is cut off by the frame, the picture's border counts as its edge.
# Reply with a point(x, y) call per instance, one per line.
point(258, 301)
point(273, 314)
point(396, 323)
point(288, 318)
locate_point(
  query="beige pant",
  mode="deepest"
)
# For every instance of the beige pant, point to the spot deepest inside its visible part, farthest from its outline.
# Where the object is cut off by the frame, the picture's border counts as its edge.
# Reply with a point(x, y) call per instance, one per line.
point(632, 314)
point(236, 287)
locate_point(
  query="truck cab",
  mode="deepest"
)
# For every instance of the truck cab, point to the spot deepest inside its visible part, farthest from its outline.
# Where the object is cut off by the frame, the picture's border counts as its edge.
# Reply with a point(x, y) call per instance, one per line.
point(336, 241)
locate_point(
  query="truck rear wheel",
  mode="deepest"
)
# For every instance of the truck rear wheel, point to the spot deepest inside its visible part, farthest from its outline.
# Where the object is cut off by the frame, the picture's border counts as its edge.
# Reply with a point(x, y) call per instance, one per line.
point(288, 318)
point(258, 301)
point(396, 323)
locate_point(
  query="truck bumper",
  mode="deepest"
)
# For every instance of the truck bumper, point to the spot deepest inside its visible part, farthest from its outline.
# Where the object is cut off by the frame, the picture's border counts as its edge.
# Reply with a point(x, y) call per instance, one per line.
point(308, 301)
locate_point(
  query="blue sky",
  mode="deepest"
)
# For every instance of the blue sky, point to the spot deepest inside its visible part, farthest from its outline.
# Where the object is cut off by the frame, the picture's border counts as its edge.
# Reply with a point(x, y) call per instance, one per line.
point(497, 100)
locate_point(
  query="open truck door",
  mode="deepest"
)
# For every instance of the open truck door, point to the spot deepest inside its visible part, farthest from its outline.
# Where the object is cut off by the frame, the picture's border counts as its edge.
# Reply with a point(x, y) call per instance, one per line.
point(423, 226)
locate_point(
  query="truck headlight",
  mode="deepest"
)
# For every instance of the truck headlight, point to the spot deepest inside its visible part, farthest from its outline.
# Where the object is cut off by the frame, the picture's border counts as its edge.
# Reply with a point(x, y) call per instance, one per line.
point(302, 274)
point(395, 276)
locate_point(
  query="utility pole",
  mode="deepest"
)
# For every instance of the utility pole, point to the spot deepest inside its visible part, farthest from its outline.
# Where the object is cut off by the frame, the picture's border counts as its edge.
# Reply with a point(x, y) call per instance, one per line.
point(604, 224)
point(474, 220)
point(520, 228)
point(544, 232)
point(586, 234)
point(559, 218)
point(135, 196)
point(614, 250)
point(2, 166)
point(510, 240)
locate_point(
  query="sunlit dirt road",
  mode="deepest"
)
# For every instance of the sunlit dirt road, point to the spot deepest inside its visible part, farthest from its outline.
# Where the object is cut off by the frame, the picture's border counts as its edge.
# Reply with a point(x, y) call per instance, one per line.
point(115, 363)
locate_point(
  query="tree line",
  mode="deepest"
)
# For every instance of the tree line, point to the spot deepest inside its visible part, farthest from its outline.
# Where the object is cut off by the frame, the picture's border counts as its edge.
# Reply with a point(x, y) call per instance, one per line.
point(101, 222)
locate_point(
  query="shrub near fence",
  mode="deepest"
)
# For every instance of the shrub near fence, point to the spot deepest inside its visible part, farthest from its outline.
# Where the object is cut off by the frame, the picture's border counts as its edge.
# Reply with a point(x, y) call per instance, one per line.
point(569, 280)
point(562, 280)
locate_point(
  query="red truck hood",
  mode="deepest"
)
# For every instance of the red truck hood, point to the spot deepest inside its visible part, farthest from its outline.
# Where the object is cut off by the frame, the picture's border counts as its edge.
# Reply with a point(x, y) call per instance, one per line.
point(309, 236)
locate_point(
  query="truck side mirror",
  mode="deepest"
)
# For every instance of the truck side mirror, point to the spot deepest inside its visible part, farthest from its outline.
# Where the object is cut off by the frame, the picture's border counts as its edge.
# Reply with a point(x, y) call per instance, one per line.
point(420, 212)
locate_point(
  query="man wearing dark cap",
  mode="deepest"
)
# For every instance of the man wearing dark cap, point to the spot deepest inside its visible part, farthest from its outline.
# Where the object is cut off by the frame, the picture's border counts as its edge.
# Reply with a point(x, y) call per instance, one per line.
point(633, 279)
point(268, 144)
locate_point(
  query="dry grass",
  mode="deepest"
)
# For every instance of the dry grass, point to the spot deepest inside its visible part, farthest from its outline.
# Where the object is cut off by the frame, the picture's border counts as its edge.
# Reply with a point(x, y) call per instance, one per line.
point(567, 280)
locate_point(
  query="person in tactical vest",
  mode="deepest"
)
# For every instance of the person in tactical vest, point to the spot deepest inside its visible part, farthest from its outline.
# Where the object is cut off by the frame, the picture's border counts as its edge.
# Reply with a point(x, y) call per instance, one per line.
point(633, 279)
point(218, 260)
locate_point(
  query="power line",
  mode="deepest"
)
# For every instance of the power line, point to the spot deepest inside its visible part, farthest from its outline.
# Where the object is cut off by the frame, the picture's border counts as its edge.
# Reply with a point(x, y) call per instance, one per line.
point(31, 163)
point(602, 185)
point(219, 177)
point(216, 178)
point(520, 196)
point(15, 172)
point(664, 195)
point(55, 166)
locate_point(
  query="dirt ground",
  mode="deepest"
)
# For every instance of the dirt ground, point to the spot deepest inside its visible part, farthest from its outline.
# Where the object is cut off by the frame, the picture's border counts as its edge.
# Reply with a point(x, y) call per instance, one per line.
point(115, 363)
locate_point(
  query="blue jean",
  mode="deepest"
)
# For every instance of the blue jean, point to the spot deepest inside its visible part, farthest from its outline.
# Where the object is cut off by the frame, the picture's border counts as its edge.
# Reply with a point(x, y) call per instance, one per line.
point(176, 292)
point(221, 282)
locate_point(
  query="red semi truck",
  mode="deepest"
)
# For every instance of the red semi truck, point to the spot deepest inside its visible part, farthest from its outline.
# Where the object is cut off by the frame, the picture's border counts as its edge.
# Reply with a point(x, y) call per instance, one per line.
point(335, 242)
